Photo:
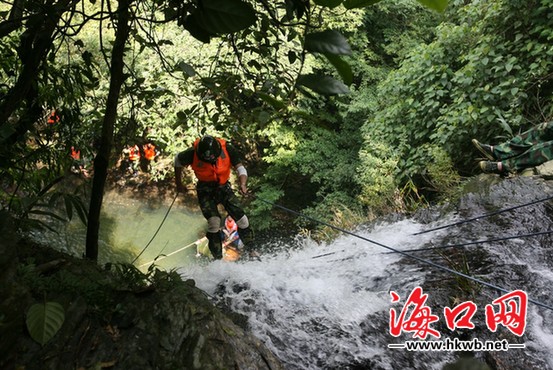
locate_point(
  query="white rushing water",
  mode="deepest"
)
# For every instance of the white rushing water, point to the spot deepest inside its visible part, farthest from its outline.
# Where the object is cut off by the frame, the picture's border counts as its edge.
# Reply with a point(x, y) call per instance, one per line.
point(309, 305)
point(328, 306)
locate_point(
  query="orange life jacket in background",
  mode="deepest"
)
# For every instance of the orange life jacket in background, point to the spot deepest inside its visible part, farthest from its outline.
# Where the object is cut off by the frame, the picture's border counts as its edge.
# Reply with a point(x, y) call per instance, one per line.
point(149, 151)
point(54, 118)
point(134, 153)
point(75, 154)
point(207, 172)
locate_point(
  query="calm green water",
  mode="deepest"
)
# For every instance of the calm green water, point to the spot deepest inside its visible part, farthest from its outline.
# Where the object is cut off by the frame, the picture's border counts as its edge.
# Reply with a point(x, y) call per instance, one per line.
point(127, 226)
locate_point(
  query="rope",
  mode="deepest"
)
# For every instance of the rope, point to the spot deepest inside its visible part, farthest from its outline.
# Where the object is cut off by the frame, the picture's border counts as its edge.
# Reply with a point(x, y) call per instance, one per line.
point(485, 215)
point(159, 228)
point(174, 252)
point(425, 261)
point(478, 242)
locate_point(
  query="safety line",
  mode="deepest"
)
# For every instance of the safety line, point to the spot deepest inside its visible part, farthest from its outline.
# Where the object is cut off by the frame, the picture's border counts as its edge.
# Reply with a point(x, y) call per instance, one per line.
point(330, 253)
point(174, 252)
point(428, 262)
point(159, 228)
point(485, 215)
point(477, 242)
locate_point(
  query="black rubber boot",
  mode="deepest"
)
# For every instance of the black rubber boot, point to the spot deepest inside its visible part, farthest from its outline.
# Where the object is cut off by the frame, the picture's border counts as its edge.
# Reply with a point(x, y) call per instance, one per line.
point(215, 245)
point(247, 237)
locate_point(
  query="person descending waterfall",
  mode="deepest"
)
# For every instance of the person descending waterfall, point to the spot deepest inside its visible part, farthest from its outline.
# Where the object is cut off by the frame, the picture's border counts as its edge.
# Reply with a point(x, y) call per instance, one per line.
point(211, 160)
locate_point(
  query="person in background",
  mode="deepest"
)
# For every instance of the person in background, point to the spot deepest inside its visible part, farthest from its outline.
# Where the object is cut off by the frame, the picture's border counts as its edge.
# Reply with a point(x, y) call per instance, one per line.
point(132, 158)
point(211, 160)
point(149, 154)
point(53, 118)
point(77, 166)
point(230, 233)
point(528, 149)
point(148, 151)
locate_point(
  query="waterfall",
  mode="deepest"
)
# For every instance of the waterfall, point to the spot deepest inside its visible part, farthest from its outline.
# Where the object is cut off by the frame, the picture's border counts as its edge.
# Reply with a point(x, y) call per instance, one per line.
point(328, 306)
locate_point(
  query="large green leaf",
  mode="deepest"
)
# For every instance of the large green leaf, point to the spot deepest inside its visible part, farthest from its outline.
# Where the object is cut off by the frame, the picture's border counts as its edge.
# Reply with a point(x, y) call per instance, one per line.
point(343, 68)
point(44, 320)
point(328, 3)
point(224, 16)
point(192, 26)
point(327, 42)
point(351, 4)
point(186, 68)
point(438, 5)
point(325, 85)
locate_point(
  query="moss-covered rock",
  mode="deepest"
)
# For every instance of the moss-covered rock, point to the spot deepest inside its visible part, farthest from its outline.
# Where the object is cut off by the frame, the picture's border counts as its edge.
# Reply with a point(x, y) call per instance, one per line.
point(115, 318)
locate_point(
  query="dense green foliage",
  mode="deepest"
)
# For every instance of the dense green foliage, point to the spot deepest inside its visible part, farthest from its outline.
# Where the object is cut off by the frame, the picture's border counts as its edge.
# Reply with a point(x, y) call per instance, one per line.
point(487, 74)
point(341, 107)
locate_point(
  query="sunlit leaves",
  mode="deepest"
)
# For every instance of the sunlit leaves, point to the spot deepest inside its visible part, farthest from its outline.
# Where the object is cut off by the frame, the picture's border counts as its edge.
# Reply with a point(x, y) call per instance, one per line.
point(473, 81)
point(438, 5)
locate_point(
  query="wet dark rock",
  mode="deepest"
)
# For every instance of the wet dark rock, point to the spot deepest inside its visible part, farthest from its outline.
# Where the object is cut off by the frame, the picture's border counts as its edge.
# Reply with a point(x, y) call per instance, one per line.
point(171, 325)
point(510, 264)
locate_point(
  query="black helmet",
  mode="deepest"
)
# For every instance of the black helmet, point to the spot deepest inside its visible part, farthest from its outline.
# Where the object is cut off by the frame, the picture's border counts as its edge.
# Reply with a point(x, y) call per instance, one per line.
point(208, 149)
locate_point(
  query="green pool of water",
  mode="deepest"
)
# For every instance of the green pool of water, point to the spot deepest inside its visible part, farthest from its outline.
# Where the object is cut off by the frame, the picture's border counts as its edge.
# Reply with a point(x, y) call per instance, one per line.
point(126, 229)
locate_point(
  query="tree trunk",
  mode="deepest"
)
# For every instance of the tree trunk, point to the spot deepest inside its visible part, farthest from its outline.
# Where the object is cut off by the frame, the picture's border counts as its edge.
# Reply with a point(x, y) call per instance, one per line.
point(101, 162)
point(35, 43)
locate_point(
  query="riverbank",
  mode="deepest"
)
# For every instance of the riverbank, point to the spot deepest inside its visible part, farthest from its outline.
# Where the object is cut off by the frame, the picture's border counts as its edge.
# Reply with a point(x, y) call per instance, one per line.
point(114, 316)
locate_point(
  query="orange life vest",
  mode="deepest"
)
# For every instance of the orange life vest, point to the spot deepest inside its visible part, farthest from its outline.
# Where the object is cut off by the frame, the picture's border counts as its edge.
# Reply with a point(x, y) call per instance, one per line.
point(149, 151)
point(230, 224)
point(134, 153)
point(218, 172)
point(54, 118)
point(75, 154)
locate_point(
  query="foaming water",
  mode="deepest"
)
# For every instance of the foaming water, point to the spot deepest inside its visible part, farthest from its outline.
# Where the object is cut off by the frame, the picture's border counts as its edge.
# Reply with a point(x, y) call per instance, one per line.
point(327, 306)
point(309, 305)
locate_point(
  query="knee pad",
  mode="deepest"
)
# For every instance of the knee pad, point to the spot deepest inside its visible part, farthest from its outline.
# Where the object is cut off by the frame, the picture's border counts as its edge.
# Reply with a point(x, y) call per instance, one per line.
point(243, 223)
point(213, 224)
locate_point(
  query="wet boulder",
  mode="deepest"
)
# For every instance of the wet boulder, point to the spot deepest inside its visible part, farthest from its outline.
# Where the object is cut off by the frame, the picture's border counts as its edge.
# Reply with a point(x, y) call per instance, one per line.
point(113, 321)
